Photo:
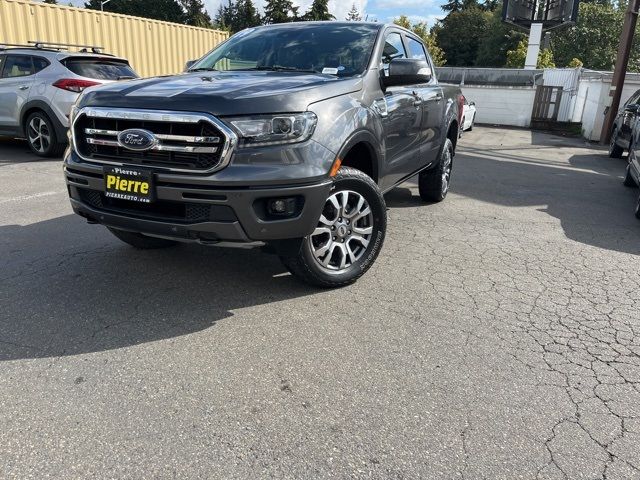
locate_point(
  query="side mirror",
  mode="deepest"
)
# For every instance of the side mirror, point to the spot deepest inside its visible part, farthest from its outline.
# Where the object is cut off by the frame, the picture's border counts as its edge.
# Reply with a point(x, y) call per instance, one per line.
point(189, 64)
point(632, 108)
point(407, 71)
point(473, 104)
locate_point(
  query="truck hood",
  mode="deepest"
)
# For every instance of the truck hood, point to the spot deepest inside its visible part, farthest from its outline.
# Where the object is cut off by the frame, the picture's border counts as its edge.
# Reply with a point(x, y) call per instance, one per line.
point(222, 93)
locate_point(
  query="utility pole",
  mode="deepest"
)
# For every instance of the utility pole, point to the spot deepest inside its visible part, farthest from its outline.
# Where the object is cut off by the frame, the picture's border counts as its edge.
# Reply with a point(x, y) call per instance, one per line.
point(102, 5)
point(620, 69)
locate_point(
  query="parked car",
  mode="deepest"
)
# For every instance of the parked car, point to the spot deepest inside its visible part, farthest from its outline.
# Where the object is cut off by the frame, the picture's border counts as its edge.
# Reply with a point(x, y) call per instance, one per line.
point(632, 173)
point(623, 126)
point(38, 85)
point(468, 115)
point(284, 136)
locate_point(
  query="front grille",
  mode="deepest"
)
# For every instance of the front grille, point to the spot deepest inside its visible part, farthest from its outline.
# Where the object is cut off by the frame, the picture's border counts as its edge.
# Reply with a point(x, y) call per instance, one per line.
point(186, 142)
point(160, 210)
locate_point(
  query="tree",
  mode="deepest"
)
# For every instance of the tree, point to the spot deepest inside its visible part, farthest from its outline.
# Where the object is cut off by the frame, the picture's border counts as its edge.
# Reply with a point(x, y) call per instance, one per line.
point(167, 10)
point(280, 11)
point(594, 39)
point(51, 2)
point(354, 14)
point(421, 29)
point(195, 13)
point(452, 6)
point(460, 33)
point(234, 17)
point(319, 10)
point(499, 38)
point(516, 58)
point(575, 63)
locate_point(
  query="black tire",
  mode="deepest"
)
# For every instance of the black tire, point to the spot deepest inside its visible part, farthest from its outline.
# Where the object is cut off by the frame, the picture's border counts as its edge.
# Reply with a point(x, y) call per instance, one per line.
point(628, 179)
point(615, 151)
point(306, 265)
point(433, 184)
point(472, 122)
point(41, 136)
point(140, 241)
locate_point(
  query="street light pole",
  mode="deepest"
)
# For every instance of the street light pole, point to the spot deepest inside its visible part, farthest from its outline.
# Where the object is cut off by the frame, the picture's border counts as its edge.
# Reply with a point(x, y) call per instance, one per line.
point(620, 69)
point(102, 5)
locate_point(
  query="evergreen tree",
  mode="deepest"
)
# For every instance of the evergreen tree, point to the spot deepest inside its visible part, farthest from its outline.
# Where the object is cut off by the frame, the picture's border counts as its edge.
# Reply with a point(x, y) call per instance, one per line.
point(246, 16)
point(167, 10)
point(319, 10)
point(354, 14)
point(280, 11)
point(51, 2)
point(452, 6)
point(195, 13)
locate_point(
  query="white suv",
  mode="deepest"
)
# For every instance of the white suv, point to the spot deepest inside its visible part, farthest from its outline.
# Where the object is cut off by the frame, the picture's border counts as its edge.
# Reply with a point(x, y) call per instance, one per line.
point(40, 83)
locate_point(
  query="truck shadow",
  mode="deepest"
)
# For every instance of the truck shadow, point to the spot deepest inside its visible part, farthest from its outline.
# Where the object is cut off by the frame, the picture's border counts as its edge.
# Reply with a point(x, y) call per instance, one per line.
point(585, 193)
point(69, 288)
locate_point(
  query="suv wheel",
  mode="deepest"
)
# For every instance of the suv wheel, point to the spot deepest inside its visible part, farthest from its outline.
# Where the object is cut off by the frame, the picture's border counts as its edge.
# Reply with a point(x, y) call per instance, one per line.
point(41, 136)
point(433, 184)
point(615, 151)
point(349, 234)
point(140, 241)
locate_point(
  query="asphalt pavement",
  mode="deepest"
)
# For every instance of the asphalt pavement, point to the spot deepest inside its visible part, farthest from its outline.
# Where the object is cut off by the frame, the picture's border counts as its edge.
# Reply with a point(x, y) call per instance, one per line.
point(497, 336)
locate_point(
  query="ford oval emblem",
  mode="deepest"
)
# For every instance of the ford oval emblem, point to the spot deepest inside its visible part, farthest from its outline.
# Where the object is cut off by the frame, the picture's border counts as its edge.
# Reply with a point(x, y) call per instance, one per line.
point(137, 139)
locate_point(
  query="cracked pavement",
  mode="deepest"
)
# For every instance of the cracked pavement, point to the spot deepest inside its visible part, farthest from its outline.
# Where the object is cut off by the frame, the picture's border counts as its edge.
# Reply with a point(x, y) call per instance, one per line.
point(497, 336)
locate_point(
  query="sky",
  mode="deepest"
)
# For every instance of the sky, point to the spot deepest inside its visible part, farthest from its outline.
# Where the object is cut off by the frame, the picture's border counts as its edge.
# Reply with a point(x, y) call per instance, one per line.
point(381, 10)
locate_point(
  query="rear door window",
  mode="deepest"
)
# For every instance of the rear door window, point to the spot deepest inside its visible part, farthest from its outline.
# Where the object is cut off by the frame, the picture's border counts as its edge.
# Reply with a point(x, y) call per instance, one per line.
point(416, 50)
point(17, 66)
point(100, 68)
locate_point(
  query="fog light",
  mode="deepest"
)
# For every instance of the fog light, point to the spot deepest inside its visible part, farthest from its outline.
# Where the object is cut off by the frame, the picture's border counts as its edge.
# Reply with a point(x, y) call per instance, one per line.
point(281, 206)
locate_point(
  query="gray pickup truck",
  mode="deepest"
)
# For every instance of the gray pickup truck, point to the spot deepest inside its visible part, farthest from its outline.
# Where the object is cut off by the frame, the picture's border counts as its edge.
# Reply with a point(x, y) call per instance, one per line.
point(284, 136)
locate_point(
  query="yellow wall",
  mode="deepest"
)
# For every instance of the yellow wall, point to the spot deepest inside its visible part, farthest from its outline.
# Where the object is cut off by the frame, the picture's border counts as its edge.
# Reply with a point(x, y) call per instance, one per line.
point(152, 47)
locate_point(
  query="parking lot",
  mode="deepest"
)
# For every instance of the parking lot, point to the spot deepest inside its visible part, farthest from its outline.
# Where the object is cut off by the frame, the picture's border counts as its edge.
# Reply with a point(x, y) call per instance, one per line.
point(497, 336)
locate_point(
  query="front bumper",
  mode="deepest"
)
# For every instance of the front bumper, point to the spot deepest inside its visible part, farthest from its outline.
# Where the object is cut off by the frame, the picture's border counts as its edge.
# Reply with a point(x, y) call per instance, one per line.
point(191, 211)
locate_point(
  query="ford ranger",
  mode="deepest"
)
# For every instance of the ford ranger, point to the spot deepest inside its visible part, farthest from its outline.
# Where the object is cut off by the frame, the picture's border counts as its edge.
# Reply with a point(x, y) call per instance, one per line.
point(284, 136)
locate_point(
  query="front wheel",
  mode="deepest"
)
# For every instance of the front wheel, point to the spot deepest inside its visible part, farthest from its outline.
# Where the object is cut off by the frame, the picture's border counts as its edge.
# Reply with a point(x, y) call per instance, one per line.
point(349, 234)
point(433, 184)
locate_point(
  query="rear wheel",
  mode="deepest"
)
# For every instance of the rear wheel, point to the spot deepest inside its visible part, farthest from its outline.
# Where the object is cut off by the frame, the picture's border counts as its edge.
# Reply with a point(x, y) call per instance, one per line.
point(433, 184)
point(615, 151)
point(349, 234)
point(140, 241)
point(473, 119)
point(41, 136)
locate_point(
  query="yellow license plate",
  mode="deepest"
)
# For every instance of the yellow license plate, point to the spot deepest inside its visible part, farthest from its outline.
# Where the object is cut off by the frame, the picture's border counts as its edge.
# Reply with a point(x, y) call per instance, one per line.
point(127, 183)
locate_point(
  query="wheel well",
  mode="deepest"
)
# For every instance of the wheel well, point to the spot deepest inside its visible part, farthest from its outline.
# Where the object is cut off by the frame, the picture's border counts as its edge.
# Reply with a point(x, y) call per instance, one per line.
point(362, 157)
point(452, 134)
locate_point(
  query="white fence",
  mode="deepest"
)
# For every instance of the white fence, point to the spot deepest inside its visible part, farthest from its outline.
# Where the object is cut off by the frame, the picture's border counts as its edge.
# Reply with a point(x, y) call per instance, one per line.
point(585, 94)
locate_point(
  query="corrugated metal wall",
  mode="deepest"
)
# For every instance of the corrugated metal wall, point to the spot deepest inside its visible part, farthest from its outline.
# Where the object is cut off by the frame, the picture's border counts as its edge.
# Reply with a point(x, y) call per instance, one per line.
point(152, 47)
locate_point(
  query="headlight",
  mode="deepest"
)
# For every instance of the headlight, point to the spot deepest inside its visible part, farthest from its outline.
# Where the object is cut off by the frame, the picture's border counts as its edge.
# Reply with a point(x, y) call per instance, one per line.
point(275, 129)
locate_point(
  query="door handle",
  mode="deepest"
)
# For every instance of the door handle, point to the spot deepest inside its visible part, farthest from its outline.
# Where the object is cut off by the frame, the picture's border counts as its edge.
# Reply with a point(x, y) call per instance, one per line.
point(438, 97)
point(417, 103)
point(23, 87)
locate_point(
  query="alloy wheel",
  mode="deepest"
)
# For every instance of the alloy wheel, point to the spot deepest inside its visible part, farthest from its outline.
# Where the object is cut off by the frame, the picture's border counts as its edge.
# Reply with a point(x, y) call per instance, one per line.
point(39, 134)
point(343, 232)
point(446, 171)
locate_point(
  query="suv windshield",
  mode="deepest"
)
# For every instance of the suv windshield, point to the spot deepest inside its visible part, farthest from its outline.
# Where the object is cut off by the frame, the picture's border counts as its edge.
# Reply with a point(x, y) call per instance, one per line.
point(332, 48)
point(100, 68)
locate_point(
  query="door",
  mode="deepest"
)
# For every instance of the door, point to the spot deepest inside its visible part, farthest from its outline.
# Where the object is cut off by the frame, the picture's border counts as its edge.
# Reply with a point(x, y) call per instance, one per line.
point(628, 118)
point(431, 98)
point(15, 84)
point(403, 120)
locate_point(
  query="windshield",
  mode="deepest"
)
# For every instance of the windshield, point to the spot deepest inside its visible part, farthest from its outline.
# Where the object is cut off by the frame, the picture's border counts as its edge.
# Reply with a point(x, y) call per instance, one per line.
point(335, 49)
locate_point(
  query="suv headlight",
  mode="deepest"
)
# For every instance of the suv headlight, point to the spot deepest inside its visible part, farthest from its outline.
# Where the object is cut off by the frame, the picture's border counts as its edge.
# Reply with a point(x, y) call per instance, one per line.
point(274, 129)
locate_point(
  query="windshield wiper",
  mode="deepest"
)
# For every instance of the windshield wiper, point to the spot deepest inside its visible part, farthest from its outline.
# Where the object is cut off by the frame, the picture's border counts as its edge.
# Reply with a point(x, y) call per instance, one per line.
point(204, 69)
point(280, 68)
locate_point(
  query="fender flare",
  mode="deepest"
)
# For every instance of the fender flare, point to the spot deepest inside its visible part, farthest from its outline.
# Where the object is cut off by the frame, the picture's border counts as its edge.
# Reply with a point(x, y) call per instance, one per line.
point(368, 138)
point(61, 130)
